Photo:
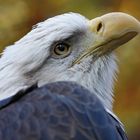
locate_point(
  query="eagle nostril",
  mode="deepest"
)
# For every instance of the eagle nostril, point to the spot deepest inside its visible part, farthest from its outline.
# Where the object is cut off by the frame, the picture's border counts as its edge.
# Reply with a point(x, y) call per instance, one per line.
point(100, 25)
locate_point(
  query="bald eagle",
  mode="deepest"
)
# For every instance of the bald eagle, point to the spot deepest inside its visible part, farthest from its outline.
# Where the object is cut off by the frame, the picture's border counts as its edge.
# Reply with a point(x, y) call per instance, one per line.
point(77, 51)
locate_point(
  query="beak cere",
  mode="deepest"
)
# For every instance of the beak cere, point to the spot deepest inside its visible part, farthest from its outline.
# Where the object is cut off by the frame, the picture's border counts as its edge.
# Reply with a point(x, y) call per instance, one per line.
point(110, 31)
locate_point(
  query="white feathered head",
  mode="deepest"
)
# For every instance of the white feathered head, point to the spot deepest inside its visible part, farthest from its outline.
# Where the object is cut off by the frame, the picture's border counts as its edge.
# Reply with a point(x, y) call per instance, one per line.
point(68, 47)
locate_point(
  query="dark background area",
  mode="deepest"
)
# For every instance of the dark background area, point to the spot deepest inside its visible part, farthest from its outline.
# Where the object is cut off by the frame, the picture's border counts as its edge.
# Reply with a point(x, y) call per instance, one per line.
point(18, 16)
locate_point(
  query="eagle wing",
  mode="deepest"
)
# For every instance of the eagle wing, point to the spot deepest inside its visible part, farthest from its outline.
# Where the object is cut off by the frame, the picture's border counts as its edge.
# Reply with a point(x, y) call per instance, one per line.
point(57, 111)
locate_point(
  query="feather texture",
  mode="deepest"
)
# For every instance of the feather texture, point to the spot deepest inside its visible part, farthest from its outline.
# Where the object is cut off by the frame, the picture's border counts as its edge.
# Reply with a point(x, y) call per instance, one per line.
point(58, 111)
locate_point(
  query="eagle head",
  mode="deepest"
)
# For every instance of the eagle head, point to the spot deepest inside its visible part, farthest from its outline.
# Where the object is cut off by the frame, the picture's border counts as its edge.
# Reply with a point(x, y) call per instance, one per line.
point(68, 47)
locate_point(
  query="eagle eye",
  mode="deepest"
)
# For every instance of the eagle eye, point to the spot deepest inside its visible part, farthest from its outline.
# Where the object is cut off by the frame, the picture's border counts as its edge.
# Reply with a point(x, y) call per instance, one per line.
point(61, 50)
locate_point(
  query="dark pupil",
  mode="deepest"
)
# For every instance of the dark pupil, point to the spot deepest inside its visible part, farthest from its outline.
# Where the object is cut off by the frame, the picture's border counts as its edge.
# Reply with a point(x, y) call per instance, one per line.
point(61, 48)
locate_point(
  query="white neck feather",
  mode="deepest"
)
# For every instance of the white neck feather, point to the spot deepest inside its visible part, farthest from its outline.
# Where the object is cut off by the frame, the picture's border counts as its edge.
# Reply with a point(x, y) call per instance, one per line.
point(98, 77)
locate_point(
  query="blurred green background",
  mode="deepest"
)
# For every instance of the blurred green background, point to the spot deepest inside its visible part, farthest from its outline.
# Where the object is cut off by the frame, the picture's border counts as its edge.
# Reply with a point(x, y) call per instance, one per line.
point(18, 16)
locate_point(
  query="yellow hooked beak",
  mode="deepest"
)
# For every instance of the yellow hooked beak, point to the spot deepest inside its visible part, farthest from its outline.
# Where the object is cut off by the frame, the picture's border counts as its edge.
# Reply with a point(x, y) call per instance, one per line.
point(110, 31)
